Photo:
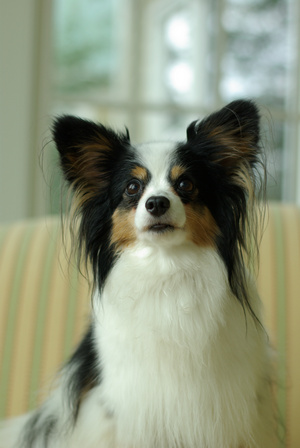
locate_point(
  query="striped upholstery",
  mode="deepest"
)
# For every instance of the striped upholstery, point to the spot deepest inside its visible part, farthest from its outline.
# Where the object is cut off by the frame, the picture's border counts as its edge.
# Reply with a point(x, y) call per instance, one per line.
point(44, 308)
point(279, 286)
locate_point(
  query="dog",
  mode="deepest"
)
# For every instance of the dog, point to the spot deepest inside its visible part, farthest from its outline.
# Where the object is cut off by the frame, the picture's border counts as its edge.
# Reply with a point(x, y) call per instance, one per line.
point(176, 355)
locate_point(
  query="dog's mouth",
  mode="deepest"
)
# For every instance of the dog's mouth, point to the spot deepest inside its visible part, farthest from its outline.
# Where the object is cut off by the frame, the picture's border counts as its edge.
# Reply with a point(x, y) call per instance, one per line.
point(160, 228)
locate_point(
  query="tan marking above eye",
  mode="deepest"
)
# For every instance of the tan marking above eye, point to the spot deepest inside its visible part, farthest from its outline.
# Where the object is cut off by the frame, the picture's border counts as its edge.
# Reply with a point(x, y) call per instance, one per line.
point(176, 172)
point(139, 172)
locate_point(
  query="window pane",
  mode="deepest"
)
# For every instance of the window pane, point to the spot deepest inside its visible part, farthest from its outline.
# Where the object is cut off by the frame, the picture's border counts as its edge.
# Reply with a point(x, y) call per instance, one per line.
point(165, 125)
point(156, 66)
point(85, 48)
point(255, 57)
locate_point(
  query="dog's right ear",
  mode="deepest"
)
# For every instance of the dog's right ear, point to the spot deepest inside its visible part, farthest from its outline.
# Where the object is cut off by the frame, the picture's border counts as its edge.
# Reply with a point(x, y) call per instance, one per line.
point(88, 153)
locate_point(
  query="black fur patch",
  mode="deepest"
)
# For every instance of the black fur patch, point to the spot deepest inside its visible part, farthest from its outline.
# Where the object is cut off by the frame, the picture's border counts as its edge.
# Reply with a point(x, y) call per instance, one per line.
point(86, 372)
point(217, 149)
point(97, 163)
point(38, 430)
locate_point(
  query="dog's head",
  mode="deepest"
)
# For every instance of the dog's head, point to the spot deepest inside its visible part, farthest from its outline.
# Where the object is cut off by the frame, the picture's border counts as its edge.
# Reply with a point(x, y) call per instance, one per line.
point(163, 193)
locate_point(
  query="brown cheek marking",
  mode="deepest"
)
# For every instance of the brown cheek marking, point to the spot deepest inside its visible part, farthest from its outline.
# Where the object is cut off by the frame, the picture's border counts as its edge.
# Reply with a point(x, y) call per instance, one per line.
point(200, 225)
point(176, 172)
point(123, 229)
point(140, 172)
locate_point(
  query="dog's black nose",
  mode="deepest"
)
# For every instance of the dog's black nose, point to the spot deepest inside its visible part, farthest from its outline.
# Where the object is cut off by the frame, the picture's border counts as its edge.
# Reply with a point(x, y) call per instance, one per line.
point(157, 205)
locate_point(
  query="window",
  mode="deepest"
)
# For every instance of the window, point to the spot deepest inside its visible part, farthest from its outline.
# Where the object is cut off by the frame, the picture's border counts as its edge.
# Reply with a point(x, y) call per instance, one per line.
point(155, 66)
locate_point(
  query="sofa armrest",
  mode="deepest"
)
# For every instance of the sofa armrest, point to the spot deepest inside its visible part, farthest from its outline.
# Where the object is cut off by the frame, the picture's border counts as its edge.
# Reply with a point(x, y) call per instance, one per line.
point(279, 286)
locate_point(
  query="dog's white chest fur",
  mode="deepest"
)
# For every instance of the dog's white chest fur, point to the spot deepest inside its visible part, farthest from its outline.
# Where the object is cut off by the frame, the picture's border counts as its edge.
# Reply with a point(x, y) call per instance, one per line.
point(178, 362)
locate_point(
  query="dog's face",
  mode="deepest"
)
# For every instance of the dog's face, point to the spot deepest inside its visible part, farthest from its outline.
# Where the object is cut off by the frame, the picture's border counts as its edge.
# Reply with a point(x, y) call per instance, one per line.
point(195, 191)
point(160, 211)
point(161, 201)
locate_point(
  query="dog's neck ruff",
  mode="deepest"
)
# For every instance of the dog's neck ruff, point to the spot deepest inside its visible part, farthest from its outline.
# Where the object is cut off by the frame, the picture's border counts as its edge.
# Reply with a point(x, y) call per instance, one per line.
point(170, 309)
point(167, 291)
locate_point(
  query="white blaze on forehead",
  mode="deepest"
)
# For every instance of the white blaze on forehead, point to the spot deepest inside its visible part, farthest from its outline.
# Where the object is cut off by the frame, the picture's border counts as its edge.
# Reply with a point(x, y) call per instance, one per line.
point(156, 157)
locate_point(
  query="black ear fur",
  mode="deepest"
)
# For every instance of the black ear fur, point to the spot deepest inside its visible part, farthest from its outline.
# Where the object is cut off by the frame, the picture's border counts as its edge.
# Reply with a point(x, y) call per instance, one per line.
point(92, 158)
point(71, 132)
point(239, 115)
point(227, 143)
point(87, 149)
point(233, 132)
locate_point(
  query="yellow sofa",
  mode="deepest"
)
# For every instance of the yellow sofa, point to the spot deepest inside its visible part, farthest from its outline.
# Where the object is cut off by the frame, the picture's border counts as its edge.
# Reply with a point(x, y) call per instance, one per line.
point(44, 308)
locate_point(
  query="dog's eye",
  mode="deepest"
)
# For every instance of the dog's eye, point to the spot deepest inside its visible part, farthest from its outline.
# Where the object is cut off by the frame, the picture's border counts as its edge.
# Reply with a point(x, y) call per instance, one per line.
point(133, 188)
point(186, 186)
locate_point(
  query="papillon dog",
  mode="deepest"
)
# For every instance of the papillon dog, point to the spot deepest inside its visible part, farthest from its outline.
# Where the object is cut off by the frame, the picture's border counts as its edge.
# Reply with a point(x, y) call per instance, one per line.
point(175, 355)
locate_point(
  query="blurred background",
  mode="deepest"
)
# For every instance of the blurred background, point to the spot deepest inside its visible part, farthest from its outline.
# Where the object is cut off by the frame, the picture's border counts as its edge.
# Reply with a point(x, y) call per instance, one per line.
point(150, 65)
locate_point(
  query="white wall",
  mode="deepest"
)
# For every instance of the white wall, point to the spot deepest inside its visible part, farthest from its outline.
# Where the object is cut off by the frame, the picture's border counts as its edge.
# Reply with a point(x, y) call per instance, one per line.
point(23, 106)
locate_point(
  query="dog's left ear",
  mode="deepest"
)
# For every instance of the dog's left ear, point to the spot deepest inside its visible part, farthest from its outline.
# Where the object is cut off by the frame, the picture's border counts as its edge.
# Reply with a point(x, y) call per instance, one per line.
point(88, 153)
point(230, 135)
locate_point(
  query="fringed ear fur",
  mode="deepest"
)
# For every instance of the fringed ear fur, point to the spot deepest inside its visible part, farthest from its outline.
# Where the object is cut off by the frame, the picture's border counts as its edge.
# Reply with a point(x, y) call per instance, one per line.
point(233, 133)
point(228, 142)
point(90, 155)
point(88, 152)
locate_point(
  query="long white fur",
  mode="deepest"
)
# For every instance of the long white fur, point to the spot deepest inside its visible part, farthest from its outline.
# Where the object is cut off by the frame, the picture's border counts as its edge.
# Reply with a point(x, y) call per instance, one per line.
point(184, 366)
